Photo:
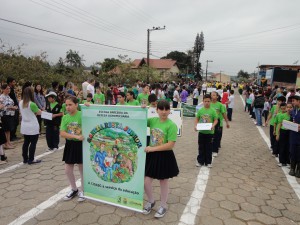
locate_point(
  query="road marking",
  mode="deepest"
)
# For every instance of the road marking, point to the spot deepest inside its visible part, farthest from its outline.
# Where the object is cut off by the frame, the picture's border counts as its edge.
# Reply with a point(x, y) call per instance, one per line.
point(193, 206)
point(21, 163)
point(41, 207)
point(292, 180)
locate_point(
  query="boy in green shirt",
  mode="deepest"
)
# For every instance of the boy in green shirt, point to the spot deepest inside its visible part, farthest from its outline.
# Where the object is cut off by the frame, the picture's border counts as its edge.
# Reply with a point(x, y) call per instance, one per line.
point(89, 98)
point(121, 98)
point(221, 112)
point(99, 97)
point(273, 112)
point(282, 134)
point(130, 99)
point(143, 97)
point(205, 137)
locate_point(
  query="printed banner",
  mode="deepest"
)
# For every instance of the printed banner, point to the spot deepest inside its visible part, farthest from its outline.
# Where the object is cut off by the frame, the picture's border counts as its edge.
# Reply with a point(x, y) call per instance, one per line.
point(113, 154)
point(175, 115)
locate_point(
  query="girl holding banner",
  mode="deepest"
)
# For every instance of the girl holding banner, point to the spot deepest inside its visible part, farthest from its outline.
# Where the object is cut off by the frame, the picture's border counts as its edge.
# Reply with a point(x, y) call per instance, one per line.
point(161, 163)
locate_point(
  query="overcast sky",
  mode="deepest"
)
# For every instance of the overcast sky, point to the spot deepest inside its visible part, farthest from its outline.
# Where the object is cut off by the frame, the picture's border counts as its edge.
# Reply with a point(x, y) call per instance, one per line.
point(238, 34)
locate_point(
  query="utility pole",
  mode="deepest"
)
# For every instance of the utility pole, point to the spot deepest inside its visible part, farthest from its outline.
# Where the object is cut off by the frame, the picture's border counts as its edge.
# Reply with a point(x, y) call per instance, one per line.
point(207, 61)
point(148, 47)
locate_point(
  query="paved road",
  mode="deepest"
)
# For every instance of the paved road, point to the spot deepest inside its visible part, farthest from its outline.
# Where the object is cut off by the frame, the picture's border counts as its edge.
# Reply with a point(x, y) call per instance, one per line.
point(245, 186)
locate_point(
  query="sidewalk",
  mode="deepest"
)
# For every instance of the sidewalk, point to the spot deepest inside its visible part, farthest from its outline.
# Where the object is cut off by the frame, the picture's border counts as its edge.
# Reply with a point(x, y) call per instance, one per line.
point(245, 186)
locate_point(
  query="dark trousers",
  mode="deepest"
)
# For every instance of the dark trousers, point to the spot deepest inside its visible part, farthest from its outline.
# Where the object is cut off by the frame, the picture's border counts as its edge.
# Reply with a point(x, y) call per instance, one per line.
point(175, 104)
point(16, 124)
point(229, 113)
point(39, 118)
point(294, 152)
point(283, 144)
point(29, 145)
point(195, 101)
point(274, 143)
point(217, 138)
point(204, 92)
point(52, 136)
point(265, 114)
point(205, 144)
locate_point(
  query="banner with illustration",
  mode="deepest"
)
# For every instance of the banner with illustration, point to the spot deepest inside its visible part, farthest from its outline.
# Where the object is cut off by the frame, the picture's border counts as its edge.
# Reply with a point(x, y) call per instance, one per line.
point(113, 154)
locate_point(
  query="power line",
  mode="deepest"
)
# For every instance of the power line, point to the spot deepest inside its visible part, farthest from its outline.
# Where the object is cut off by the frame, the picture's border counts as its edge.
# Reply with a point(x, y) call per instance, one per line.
point(82, 19)
point(68, 36)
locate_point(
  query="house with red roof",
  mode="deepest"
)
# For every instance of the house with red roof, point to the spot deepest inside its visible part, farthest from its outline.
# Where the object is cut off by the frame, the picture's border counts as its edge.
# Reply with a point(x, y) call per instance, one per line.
point(166, 67)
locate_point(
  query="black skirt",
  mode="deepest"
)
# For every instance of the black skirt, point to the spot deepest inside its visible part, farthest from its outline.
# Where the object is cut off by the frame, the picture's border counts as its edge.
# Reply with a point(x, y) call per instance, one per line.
point(2, 135)
point(8, 123)
point(73, 152)
point(161, 165)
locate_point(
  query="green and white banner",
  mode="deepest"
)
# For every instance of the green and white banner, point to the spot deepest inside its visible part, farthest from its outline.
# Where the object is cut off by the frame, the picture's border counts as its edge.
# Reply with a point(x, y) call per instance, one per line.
point(113, 154)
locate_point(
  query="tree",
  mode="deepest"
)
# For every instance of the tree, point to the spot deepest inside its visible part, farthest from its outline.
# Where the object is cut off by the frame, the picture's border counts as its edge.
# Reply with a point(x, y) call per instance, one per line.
point(182, 59)
point(73, 59)
point(243, 74)
point(198, 48)
point(109, 63)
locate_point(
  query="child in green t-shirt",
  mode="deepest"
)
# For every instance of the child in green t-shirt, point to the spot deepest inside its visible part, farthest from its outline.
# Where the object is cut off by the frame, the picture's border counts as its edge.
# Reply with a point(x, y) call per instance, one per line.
point(143, 97)
point(121, 98)
point(99, 97)
point(161, 163)
point(271, 118)
point(282, 134)
point(70, 129)
point(89, 99)
point(130, 99)
point(205, 137)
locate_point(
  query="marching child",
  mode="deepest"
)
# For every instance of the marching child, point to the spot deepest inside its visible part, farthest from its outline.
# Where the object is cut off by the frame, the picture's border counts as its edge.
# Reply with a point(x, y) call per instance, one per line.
point(271, 118)
point(205, 137)
point(266, 110)
point(89, 99)
point(52, 126)
point(130, 99)
point(161, 163)
point(121, 98)
point(282, 134)
point(71, 130)
point(99, 97)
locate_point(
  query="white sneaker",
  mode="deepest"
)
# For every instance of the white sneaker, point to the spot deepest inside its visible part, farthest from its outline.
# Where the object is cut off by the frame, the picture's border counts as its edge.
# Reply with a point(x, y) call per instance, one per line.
point(209, 165)
point(160, 212)
point(55, 149)
point(198, 164)
point(81, 197)
point(279, 164)
point(215, 154)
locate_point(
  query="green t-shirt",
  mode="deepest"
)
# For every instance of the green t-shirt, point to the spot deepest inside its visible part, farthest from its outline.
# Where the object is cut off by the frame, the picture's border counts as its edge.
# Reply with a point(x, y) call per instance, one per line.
point(207, 116)
point(161, 132)
point(84, 101)
point(125, 103)
point(273, 114)
point(221, 116)
point(134, 102)
point(33, 107)
point(142, 97)
point(218, 106)
point(280, 117)
point(64, 109)
point(99, 98)
point(71, 124)
point(53, 104)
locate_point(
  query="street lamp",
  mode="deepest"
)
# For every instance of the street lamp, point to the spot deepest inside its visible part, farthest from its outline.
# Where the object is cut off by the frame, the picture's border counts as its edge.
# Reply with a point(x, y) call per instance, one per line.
point(207, 61)
point(148, 47)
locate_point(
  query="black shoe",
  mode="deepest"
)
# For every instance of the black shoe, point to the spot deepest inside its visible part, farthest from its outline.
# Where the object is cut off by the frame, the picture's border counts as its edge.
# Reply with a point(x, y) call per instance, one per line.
point(70, 195)
point(25, 161)
point(292, 172)
point(3, 158)
point(34, 161)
